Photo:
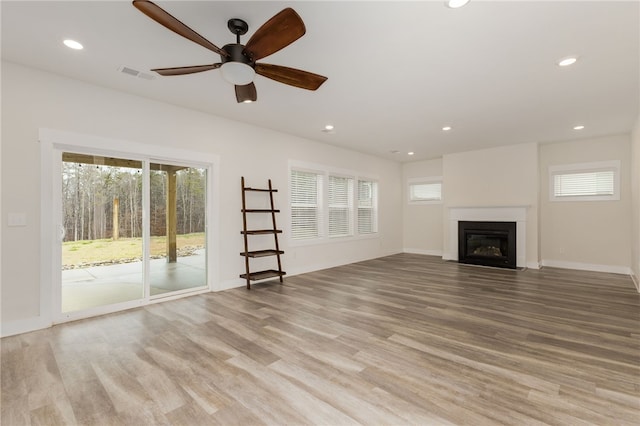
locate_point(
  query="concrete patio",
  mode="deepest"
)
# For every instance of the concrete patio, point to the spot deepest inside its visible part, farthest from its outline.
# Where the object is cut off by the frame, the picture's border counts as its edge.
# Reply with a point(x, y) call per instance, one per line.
point(104, 285)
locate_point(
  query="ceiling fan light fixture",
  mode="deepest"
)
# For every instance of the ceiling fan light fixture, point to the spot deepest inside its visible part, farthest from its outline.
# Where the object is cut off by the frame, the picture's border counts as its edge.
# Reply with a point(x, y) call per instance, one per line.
point(237, 61)
point(237, 73)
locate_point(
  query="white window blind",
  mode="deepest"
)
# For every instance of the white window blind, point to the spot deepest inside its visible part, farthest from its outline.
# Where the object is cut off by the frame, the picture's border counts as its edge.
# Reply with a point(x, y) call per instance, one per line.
point(585, 181)
point(340, 206)
point(306, 206)
point(327, 204)
point(430, 191)
point(584, 184)
point(367, 207)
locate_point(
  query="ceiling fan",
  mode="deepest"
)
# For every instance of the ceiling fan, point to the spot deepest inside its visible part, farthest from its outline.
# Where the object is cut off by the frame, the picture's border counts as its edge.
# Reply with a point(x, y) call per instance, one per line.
point(238, 62)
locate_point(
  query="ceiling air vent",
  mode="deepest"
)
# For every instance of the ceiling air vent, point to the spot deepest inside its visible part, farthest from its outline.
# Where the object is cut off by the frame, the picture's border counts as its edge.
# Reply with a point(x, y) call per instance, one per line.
point(135, 73)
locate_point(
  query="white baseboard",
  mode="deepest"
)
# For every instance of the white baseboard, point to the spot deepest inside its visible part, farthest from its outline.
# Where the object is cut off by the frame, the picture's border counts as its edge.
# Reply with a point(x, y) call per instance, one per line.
point(614, 269)
point(11, 328)
point(229, 284)
point(425, 252)
point(533, 265)
point(239, 282)
point(326, 265)
point(636, 281)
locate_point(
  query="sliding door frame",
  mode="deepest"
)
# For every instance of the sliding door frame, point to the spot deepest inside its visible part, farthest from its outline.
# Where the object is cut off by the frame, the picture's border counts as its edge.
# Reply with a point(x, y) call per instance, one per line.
point(53, 144)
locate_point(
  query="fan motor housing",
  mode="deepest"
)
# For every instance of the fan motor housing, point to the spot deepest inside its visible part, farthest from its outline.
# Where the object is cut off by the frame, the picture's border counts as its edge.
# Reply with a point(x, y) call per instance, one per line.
point(236, 54)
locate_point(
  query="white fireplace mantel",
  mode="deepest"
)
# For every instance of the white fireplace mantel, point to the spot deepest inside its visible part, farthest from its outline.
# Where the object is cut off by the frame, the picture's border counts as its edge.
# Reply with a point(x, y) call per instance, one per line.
point(516, 214)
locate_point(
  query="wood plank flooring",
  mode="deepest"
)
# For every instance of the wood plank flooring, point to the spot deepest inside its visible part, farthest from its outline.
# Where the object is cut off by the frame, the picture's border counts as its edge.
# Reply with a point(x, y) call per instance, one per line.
point(404, 339)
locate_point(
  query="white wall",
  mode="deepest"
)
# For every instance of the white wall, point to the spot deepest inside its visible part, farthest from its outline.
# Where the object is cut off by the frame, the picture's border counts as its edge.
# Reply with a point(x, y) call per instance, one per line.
point(496, 177)
point(635, 200)
point(33, 99)
point(592, 235)
point(422, 223)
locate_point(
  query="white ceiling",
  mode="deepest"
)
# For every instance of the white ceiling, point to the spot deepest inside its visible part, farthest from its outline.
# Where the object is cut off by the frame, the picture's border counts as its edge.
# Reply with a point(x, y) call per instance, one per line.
point(398, 71)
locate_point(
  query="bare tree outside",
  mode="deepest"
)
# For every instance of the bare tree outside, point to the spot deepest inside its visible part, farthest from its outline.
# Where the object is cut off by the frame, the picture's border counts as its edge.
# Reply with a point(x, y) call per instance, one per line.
point(96, 198)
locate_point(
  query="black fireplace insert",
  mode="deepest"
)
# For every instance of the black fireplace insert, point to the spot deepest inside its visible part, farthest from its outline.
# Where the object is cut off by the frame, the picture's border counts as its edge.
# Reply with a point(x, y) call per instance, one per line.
point(487, 243)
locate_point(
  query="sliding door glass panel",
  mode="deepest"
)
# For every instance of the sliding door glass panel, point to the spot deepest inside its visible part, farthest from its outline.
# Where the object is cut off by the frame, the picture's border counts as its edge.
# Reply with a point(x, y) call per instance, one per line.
point(102, 257)
point(178, 232)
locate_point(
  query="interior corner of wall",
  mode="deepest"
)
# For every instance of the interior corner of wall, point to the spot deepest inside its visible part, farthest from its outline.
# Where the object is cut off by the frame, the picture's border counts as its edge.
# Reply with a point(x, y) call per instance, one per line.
point(635, 277)
point(533, 265)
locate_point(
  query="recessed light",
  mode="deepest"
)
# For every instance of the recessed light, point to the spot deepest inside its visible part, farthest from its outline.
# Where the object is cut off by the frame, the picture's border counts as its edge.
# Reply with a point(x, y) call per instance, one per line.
point(580, 127)
point(410, 153)
point(454, 4)
point(72, 44)
point(329, 128)
point(247, 101)
point(446, 128)
point(569, 60)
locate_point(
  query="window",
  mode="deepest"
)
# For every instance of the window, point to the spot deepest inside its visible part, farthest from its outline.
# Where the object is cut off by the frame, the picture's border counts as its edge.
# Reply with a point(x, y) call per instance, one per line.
point(327, 204)
point(367, 207)
point(585, 181)
point(306, 205)
point(425, 190)
point(340, 206)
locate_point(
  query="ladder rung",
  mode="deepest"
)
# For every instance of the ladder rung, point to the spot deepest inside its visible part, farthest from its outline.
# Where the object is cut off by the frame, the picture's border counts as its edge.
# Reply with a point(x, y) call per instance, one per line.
point(261, 253)
point(260, 211)
point(263, 275)
point(262, 231)
point(260, 189)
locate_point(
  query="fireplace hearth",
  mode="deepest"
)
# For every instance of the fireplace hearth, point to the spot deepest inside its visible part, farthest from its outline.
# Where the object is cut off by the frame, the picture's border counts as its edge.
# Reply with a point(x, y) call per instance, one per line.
point(487, 243)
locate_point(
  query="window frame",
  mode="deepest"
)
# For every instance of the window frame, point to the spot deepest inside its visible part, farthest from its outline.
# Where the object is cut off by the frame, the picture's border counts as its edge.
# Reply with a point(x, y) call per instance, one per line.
point(349, 206)
point(592, 167)
point(428, 180)
point(374, 206)
point(319, 204)
point(326, 172)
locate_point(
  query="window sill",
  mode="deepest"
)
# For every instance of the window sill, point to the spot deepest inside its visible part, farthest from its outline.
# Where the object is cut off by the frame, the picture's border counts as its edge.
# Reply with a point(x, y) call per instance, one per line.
point(425, 202)
point(330, 240)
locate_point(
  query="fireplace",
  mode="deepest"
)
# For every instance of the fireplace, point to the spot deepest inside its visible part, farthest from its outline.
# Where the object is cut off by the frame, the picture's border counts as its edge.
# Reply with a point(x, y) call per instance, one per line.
point(514, 213)
point(487, 243)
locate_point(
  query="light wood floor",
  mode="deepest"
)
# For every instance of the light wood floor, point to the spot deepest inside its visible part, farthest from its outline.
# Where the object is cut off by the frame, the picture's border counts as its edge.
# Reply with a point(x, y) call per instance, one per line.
point(405, 339)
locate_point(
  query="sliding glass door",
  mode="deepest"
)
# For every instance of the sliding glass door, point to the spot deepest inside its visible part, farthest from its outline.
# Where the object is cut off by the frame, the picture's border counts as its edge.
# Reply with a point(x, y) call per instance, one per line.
point(132, 230)
point(102, 256)
point(177, 224)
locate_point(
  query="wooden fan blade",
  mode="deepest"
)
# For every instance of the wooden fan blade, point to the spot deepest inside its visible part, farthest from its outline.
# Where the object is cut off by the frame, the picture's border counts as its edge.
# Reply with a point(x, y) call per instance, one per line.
point(278, 32)
point(246, 93)
point(186, 70)
point(162, 17)
point(291, 76)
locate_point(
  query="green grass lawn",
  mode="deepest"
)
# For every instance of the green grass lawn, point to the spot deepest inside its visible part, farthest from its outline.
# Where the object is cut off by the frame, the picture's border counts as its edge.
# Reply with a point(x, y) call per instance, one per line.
point(96, 251)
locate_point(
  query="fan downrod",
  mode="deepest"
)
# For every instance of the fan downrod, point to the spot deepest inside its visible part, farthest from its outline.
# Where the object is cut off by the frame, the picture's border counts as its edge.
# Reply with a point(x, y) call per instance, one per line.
point(238, 27)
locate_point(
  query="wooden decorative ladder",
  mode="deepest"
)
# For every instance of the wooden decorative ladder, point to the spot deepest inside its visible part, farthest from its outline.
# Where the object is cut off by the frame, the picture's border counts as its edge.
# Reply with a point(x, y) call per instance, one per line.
point(269, 273)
